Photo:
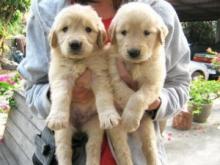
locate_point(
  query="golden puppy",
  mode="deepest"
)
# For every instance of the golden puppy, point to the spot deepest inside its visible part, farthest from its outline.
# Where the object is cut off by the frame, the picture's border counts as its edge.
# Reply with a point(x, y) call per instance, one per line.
point(76, 40)
point(138, 35)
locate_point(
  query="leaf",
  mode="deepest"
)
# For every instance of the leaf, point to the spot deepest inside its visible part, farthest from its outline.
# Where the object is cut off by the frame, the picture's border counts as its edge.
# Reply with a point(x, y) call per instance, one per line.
point(6, 85)
point(203, 92)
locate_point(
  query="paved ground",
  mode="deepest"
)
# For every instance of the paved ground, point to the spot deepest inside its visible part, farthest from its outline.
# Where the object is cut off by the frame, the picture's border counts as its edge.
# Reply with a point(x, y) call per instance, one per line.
point(198, 146)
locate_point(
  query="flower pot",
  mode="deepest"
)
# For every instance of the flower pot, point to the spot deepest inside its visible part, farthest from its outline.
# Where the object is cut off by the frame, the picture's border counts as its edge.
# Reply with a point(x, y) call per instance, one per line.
point(203, 115)
point(182, 121)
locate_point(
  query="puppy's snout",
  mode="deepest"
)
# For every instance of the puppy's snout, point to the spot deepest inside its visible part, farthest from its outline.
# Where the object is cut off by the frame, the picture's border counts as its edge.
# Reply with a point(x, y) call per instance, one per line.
point(134, 53)
point(75, 45)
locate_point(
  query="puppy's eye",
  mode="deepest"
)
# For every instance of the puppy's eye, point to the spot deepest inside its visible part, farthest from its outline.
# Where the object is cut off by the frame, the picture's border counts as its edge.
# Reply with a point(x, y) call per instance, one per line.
point(65, 28)
point(88, 29)
point(146, 33)
point(124, 32)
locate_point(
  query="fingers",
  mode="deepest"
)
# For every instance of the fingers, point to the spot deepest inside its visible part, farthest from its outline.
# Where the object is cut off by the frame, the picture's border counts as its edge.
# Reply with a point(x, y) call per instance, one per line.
point(155, 105)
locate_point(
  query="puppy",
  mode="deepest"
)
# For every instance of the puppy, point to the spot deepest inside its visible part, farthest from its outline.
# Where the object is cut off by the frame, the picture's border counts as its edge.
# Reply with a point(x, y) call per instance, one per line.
point(138, 35)
point(76, 39)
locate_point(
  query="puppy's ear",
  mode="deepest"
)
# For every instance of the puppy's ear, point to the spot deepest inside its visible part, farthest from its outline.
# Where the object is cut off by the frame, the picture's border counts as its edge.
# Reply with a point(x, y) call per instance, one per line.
point(112, 32)
point(102, 36)
point(53, 39)
point(163, 31)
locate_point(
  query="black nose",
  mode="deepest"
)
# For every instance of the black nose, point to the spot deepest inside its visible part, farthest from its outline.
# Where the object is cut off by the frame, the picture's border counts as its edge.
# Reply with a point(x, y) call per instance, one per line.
point(75, 45)
point(134, 53)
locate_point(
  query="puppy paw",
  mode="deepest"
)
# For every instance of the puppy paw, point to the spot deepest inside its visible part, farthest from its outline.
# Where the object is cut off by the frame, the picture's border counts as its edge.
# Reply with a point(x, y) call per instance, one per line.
point(56, 121)
point(109, 119)
point(130, 123)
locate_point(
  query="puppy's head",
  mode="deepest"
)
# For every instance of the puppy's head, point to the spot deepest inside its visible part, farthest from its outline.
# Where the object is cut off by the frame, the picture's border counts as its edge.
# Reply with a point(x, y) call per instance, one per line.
point(137, 31)
point(77, 32)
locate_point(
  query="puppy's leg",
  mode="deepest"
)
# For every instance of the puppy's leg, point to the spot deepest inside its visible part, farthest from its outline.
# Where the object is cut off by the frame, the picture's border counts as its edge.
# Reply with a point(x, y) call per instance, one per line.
point(118, 139)
point(148, 137)
point(61, 99)
point(121, 91)
point(95, 137)
point(63, 140)
point(108, 115)
point(133, 112)
point(137, 105)
point(62, 81)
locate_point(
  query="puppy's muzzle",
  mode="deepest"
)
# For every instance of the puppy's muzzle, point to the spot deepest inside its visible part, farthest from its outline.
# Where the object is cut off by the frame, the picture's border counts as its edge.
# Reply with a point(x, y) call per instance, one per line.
point(134, 53)
point(75, 46)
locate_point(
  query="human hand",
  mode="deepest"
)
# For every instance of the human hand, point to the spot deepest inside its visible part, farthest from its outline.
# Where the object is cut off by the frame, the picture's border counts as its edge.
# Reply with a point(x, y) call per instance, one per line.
point(155, 105)
point(81, 92)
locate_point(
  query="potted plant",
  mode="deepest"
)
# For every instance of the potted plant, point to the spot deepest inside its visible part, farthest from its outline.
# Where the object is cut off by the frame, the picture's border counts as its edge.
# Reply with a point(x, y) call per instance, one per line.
point(202, 94)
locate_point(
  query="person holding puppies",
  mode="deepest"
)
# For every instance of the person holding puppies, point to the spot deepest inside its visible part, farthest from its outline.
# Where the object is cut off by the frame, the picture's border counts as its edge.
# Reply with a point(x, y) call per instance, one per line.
point(34, 68)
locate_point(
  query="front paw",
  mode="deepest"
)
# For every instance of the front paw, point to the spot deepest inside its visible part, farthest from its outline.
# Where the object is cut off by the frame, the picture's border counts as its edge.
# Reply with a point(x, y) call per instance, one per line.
point(109, 119)
point(56, 121)
point(130, 122)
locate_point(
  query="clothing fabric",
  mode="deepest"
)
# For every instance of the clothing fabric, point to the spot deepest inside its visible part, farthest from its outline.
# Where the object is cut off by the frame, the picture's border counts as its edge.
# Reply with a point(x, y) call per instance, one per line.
point(34, 68)
point(106, 155)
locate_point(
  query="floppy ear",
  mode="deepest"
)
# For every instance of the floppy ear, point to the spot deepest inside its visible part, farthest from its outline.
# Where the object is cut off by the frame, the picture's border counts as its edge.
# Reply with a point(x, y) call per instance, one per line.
point(163, 31)
point(102, 36)
point(53, 39)
point(111, 32)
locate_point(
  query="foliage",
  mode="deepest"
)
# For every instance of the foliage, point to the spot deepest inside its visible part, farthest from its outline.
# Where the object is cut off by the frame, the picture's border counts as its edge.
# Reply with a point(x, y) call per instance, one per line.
point(7, 86)
point(11, 19)
point(9, 8)
point(10, 28)
point(203, 92)
point(202, 33)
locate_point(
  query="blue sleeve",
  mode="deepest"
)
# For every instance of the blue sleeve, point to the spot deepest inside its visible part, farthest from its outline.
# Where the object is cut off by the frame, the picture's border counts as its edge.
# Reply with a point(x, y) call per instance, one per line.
point(34, 68)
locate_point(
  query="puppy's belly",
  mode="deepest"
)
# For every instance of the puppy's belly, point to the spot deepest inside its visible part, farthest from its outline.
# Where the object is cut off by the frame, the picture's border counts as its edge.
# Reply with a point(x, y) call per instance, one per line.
point(81, 113)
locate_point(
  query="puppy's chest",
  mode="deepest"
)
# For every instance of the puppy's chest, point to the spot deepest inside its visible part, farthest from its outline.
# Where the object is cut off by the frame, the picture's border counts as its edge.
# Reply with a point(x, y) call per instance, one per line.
point(137, 72)
point(92, 62)
point(82, 112)
point(77, 69)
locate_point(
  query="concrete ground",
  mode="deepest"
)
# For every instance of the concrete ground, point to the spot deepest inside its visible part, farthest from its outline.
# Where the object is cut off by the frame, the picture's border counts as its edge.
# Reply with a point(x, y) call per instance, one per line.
point(198, 146)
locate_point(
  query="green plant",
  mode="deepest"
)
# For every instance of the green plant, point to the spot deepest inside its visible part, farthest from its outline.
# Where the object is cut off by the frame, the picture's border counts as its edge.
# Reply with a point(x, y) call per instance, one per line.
point(200, 32)
point(203, 92)
point(8, 83)
point(11, 20)
point(9, 7)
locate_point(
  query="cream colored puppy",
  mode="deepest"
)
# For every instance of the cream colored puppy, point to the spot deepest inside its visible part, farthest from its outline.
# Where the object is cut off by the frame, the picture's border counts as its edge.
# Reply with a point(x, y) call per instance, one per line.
point(76, 39)
point(138, 35)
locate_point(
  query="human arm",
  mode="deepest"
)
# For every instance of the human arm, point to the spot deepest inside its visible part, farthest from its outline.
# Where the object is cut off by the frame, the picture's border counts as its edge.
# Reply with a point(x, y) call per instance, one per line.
point(34, 68)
